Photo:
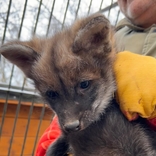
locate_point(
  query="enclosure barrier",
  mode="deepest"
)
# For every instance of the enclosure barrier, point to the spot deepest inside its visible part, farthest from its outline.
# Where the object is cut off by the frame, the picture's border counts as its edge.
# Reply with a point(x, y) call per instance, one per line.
point(23, 115)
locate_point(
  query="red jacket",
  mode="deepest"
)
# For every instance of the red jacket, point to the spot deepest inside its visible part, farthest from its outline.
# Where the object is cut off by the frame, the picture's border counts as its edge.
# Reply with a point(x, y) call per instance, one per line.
point(49, 136)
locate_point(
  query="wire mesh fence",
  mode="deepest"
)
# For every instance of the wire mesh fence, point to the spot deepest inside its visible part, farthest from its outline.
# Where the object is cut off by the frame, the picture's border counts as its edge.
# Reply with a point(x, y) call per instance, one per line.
point(19, 101)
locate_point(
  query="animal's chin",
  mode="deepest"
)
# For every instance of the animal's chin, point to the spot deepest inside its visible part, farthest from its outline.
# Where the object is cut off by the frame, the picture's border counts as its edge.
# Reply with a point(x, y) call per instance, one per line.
point(93, 115)
point(88, 118)
point(84, 125)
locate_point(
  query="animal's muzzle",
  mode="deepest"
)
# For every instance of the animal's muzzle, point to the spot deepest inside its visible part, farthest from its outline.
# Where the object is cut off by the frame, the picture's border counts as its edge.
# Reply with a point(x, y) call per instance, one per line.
point(72, 126)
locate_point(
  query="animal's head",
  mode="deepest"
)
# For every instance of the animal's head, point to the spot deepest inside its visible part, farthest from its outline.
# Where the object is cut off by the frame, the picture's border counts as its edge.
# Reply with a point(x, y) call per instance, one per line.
point(72, 70)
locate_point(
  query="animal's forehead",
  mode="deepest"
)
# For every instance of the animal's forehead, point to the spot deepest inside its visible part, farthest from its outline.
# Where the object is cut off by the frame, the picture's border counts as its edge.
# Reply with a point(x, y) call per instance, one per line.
point(64, 57)
point(59, 64)
point(55, 71)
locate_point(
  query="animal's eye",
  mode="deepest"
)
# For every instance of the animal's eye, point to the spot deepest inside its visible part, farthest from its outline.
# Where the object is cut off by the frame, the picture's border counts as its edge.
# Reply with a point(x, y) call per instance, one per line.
point(84, 84)
point(52, 94)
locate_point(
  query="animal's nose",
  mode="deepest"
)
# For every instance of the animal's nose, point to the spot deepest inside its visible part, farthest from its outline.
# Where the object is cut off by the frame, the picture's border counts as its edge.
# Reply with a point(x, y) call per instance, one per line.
point(72, 126)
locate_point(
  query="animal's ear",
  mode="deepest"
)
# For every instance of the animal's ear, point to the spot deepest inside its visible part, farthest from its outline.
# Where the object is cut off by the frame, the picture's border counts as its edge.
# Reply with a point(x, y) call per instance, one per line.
point(94, 32)
point(20, 54)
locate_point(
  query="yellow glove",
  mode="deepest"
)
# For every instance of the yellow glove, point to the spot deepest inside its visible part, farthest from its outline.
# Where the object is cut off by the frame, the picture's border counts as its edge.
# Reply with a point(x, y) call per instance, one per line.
point(136, 85)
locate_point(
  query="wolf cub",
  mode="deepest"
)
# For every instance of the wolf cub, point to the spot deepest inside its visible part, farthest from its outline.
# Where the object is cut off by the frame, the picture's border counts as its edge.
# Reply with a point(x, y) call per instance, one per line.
point(73, 71)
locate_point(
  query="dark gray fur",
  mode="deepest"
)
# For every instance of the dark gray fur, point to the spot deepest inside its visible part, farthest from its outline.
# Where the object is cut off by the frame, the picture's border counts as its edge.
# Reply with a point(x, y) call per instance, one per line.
point(112, 135)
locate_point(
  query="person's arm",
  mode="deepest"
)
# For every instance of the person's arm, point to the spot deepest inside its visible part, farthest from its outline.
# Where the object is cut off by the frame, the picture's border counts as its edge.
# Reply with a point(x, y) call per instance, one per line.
point(136, 85)
point(48, 137)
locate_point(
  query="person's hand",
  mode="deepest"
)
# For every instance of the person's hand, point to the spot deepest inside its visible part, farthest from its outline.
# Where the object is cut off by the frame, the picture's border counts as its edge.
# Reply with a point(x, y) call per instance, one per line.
point(136, 85)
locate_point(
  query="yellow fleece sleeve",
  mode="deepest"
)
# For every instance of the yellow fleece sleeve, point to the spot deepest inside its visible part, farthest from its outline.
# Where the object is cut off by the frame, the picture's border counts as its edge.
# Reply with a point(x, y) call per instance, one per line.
point(136, 85)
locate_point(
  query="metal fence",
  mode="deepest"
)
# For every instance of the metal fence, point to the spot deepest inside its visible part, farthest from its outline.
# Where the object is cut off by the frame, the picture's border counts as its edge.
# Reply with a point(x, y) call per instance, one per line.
point(21, 20)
